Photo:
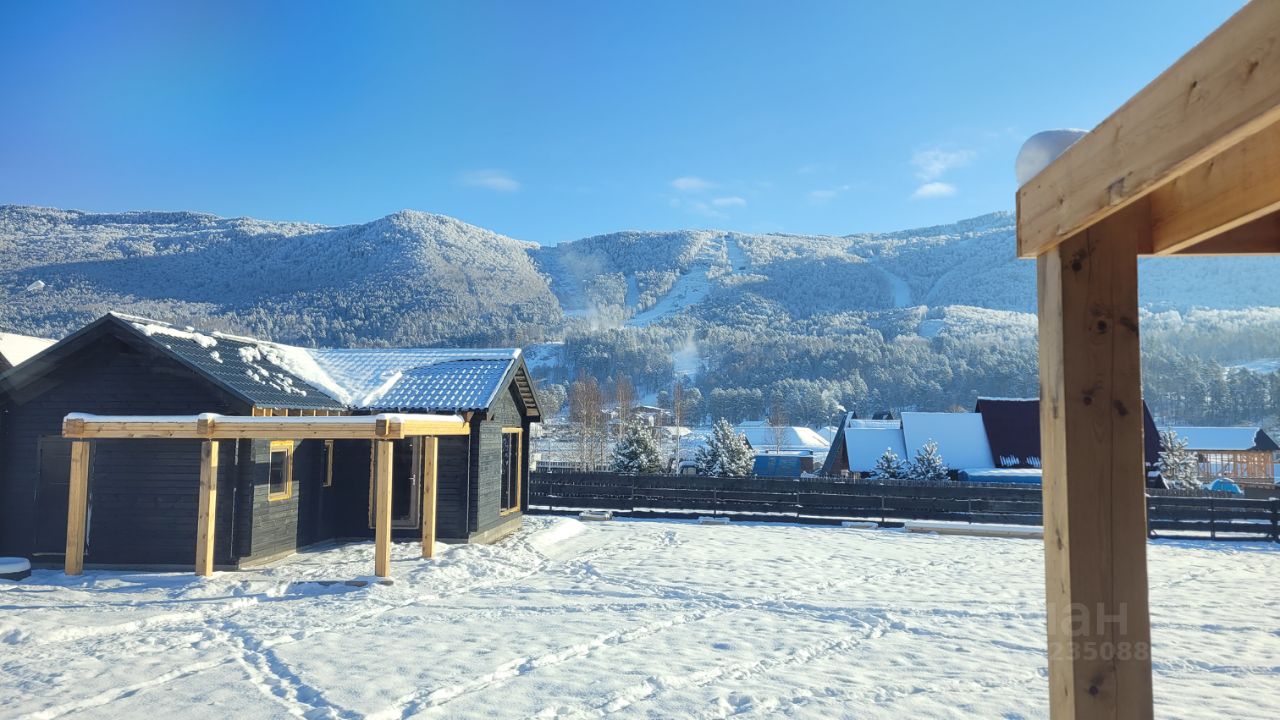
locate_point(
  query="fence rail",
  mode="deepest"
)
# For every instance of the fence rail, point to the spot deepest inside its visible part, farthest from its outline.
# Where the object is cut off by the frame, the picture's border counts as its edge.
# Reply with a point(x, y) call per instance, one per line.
point(828, 501)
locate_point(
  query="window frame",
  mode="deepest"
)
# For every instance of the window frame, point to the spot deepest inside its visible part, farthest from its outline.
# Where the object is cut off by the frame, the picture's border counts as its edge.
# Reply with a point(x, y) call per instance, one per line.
point(517, 501)
point(287, 447)
point(328, 463)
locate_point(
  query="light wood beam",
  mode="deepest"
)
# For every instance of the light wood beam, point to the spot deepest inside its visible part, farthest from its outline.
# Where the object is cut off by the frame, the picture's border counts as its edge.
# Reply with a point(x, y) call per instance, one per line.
point(1259, 237)
point(1094, 474)
point(77, 507)
point(220, 427)
point(1222, 91)
point(1232, 189)
point(430, 450)
point(382, 508)
point(206, 518)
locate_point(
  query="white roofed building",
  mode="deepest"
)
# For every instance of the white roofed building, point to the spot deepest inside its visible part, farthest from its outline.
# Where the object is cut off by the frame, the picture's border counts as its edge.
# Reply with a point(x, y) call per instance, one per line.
point(15, 349)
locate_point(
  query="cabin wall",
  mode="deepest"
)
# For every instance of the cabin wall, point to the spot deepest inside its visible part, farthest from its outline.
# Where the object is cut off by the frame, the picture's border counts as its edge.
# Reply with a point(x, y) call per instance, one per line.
point(143, 493)
point(486, 482)
point(276, 527)
point(352, 480)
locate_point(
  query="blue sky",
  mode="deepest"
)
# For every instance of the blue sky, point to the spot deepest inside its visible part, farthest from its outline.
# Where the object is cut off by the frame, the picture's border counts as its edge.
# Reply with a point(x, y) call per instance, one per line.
point(550, 121)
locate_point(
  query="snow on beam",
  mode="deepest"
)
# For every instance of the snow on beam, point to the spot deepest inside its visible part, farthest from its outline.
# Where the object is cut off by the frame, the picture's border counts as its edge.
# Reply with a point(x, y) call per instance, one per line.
point(1221, 93)
point(209, 426)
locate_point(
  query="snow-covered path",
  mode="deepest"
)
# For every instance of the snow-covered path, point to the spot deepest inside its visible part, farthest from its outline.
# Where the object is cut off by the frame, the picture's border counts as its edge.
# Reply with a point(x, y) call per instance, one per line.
point(633, 619)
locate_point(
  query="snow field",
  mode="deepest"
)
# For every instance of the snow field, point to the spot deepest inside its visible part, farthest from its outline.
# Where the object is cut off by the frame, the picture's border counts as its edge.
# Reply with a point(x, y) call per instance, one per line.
point(626, 618)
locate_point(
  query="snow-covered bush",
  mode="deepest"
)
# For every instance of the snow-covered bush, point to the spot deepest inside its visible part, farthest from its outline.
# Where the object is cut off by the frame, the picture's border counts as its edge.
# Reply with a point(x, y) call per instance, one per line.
point(637, 452)
point(1177, 464)
point(889, 467)
point(726, 452)
point(928, 465)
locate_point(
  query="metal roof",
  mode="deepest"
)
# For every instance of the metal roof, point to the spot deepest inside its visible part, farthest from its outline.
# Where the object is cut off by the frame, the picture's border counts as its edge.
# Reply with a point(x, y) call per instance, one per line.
point(431, 379)
point(1225, 438)
point(238, 364)
point(274, 375)
point(961, 437)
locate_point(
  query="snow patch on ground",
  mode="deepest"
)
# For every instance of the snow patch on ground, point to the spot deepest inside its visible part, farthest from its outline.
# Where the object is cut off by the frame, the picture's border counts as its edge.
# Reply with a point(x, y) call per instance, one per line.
point(627, 618)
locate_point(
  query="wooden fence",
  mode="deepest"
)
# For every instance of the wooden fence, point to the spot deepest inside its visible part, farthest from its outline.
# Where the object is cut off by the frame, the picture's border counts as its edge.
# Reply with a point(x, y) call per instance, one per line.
point(888, 503)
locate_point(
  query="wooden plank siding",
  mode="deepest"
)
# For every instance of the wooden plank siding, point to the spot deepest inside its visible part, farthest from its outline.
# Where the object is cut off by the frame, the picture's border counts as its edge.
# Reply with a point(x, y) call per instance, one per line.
point(143, 494)
point(486, 471)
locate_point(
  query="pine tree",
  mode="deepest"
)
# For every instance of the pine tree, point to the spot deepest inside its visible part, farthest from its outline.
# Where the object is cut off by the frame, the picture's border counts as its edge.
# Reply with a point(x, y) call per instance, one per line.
point(1178, 465)
point(889, 467)
point(928, 465)
point(726, 452)
point(636, 452)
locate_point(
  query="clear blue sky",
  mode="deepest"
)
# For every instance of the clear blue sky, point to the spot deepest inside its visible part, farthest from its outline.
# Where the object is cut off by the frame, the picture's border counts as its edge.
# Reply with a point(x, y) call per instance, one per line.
point(549, 121)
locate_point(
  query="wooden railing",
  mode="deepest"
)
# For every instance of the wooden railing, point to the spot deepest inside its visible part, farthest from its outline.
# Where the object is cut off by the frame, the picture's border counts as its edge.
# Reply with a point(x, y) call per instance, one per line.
point(888, 503)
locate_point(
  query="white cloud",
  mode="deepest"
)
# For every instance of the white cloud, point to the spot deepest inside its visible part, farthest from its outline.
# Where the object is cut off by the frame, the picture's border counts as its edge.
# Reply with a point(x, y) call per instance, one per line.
point(690, 183)
point(818, 197)
point(730, 201)
point(497, 180)
point(934, 190)
point(932, 163)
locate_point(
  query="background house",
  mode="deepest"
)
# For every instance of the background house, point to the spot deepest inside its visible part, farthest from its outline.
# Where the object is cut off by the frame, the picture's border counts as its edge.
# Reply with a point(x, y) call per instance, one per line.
point(16, 348)
point(1246, 455)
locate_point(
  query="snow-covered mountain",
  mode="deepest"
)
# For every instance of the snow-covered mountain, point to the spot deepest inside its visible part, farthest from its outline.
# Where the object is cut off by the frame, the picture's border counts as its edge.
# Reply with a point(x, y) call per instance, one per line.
point(418, 278)
point(407, 278)
point(927, 318)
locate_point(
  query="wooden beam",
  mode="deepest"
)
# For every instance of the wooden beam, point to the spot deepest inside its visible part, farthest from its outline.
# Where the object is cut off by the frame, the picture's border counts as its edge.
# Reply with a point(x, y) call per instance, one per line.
point(206, 519)
point(219, 427)
point(382, 508)
point(1259, 237)
point(1222, 91)
point(430, 448)
point(1232, 189)
point(77, 507)
point(1094, 473)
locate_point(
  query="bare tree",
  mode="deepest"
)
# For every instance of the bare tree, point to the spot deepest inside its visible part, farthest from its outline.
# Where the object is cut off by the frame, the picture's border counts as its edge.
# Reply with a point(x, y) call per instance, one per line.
point(626, 393)
point(778, 422)
point(677, 415)
point(585, 413)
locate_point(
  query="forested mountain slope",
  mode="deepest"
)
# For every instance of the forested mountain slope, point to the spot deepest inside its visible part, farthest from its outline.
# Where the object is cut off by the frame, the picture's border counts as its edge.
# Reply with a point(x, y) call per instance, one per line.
point(927, 318)
point(409, 278)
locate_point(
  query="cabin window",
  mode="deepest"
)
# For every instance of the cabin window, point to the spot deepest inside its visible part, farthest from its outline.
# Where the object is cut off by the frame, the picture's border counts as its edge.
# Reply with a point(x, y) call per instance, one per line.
point(280, 471)
point(328, 463)
point(511, 470)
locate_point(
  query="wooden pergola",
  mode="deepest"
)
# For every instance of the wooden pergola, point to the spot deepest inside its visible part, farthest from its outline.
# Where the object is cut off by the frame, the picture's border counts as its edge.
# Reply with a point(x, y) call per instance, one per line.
point(1188, 166)
point(381, 430)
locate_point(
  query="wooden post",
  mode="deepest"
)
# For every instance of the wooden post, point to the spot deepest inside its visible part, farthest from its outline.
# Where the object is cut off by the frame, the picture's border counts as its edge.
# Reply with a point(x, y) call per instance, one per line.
point(1094, 473)
point(382, 508)
point(430, 447)
point(77, 507)
point(208, 508)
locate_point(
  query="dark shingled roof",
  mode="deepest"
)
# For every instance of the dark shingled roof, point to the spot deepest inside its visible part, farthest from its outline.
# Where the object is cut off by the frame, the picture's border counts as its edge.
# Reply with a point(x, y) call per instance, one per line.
point(237, 364)
point(1013, 431)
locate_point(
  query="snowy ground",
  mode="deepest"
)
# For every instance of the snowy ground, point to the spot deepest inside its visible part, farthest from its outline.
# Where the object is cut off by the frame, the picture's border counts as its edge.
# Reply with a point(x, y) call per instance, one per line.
point(634, 619)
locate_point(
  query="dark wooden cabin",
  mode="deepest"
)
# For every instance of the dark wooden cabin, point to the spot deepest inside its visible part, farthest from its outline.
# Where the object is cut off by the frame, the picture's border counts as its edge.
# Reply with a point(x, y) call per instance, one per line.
point(275, 496)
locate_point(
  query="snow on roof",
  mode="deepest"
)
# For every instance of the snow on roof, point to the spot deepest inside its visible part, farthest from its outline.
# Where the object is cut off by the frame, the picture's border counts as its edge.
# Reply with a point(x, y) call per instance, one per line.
point(864, 444)
point(1219, 438)
point(417, 378)
point(16, 348)
point(961, 437)
point(255, 369)
point(763, 437)
point(411, 379)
